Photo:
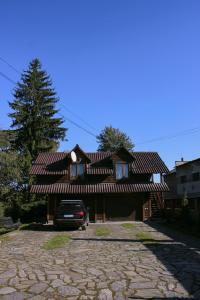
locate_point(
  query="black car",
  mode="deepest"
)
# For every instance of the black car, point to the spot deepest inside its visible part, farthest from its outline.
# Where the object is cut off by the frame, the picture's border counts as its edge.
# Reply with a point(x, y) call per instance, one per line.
point(71, 213)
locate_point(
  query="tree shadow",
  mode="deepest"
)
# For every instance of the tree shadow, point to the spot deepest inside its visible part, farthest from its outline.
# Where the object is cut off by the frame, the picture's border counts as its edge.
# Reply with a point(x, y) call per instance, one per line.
point(180, 257)
point(45, 227)
point(102, 239)
point(157, 298)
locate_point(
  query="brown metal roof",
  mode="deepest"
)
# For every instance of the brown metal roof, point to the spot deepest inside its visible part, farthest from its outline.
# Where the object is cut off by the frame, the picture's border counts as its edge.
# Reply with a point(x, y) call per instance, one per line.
point(148, 162)
point(56, 163)
point(64, 188)
point(43, 170)
point(100, 171)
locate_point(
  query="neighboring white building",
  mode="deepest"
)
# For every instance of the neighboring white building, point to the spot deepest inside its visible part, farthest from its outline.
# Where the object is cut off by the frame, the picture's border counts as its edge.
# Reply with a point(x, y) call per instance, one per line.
point(184, 182)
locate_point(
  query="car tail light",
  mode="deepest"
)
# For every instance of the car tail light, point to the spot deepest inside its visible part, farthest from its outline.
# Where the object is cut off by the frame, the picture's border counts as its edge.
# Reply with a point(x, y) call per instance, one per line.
point(80, 214)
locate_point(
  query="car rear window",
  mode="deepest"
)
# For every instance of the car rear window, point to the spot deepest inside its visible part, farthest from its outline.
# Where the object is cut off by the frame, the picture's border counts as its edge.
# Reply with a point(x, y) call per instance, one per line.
point(69, 207)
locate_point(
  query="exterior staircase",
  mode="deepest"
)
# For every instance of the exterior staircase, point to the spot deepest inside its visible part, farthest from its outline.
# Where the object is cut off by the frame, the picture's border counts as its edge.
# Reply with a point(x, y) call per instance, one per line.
point(157, 205)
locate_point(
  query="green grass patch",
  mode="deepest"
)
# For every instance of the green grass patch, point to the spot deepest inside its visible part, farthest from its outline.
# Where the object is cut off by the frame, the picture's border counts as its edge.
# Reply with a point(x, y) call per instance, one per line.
point(145, 237)
point(25, 226)
point(4, 238)
point(128, 225)
point(2, 208)
point(5, 230)
point(57, 241)
point(102, 231)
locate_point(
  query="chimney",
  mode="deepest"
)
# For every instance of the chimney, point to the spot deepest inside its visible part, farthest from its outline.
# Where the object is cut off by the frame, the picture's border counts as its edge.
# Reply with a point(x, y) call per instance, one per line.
point(180, 162)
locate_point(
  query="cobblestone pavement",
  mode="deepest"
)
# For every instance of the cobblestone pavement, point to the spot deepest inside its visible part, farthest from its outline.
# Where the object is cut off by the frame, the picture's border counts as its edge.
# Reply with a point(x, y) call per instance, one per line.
point(118, 266)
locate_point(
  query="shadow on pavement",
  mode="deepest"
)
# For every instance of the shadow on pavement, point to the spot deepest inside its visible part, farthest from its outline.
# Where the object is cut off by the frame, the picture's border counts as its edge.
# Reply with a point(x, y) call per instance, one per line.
point(102, 239)
point(44, 227)
point(164, 298)
point(180, 258)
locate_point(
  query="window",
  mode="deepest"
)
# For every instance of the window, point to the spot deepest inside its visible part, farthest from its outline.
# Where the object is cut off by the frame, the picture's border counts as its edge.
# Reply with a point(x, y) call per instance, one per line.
point(183, 179)
point(121, 170)
point(77, 170)
point(191, 203)
point(195, 176)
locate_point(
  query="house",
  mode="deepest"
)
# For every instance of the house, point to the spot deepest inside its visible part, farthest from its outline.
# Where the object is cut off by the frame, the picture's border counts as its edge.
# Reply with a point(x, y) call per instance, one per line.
point(114, 185)
point(184, 183)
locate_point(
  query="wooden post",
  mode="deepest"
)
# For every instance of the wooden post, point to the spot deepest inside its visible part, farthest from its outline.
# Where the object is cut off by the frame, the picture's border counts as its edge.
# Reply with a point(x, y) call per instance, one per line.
point(95, 210)
point(149, 199)
point(104, 206)
point(48, 208)
point(55, 205)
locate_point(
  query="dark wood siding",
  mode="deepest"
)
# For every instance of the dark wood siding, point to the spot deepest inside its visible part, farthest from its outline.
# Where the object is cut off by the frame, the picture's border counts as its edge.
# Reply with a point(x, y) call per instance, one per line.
point(106, 207)
point(124, 207)
point(91, 179)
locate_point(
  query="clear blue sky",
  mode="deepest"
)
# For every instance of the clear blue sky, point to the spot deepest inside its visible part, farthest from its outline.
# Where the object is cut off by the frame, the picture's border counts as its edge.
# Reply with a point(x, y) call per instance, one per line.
point(134, 64)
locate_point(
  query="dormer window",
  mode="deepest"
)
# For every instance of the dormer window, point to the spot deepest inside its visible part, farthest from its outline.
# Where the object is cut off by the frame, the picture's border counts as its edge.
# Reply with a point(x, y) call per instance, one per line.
point(121, 169)
point(77, 169)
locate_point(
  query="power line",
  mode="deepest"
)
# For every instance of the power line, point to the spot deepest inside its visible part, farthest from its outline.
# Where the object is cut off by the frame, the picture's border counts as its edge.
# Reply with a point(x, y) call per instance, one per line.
point(162, 138)
point(167, 137)
point(7, 78)
point(11, 66)
point(64, 106)
point(68, 119)
point(77, 116)
point(77, 125)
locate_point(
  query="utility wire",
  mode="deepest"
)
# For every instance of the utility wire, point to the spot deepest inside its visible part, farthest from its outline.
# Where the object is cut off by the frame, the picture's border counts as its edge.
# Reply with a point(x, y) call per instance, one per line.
point(11, 66)
point(162, 138)
point(77, 125)
point(77, 116)
point(7, 78)
point(167, 137)
point(64, 106)
point(65, 118)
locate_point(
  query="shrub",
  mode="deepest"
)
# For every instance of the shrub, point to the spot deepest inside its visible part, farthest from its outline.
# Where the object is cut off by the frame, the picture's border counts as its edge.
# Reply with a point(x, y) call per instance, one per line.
point(35, 211)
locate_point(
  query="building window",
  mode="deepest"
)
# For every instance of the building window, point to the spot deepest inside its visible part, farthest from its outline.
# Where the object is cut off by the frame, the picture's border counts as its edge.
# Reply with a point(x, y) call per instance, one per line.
point(121, 170)
point(191, 203)
point(183, 179)
point(77, 170)
point(195, 176)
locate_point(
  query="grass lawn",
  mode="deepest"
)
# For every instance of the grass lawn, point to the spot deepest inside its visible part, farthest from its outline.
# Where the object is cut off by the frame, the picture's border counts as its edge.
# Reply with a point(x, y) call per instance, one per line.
point(1, 210)
point(57, 241)
point(145, 237)
point(128, 225)
point(102, 231)
point(5, 230)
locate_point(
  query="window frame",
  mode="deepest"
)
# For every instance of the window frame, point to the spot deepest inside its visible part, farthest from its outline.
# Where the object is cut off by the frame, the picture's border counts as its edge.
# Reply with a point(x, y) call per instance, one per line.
point(183, 179)
point(195, 176)
point(76, 170)
point(123, 172)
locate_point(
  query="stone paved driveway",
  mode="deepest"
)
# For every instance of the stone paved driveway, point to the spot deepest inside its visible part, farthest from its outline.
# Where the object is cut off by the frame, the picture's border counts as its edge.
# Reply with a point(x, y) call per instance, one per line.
point(118, 266)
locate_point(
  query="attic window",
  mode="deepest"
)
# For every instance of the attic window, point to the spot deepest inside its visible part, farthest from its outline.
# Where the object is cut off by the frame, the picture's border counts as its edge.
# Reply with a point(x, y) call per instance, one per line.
point(77, 169)
point(121, 169)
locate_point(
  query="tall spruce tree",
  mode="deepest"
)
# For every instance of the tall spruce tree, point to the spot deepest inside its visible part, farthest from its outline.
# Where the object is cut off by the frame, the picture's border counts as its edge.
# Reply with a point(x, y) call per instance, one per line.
point(10, 175)
point(111, 139)
point(33, 117)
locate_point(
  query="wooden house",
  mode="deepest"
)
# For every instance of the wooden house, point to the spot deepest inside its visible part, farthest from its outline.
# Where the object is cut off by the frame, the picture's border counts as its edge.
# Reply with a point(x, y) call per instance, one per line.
point(116, 186)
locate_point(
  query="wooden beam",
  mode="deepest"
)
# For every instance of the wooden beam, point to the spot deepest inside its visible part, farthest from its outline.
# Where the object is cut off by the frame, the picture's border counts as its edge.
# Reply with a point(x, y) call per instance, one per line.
point(104, 208)
point(95, 209)
point(48, 209)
